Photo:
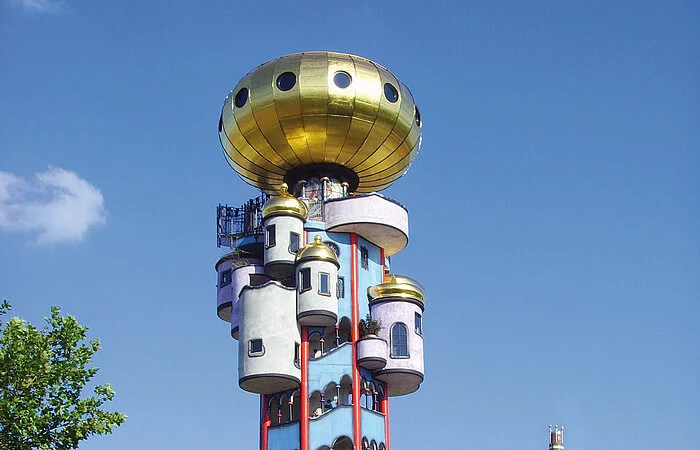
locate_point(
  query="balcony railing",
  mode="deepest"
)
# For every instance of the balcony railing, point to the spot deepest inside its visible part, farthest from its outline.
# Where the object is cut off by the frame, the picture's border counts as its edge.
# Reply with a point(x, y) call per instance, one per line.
point(233, 223)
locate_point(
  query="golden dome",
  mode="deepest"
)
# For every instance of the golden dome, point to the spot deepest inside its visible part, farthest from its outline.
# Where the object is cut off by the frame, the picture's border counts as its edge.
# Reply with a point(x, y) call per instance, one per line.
point(331, 111)
point(398, 286)
point(318, 251)
point(284, 204)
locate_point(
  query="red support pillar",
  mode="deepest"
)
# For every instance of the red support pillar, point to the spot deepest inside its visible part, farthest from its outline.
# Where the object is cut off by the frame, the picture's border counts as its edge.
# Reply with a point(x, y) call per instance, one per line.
point(265, 423)
point(385, 410)
point(355, 335)
point(304, 391)
point(381, 256)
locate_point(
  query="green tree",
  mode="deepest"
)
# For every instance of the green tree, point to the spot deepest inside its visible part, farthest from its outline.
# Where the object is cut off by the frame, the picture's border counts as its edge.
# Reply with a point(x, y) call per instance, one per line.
point(42, 376)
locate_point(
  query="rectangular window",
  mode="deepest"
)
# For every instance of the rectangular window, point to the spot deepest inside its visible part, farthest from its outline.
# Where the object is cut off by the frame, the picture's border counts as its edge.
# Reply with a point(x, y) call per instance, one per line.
point(255, 347)
point(341, 287)
point(293, 243)
point(324, 284)
point(304, 279)
point(419, 324)
point(297, 354)
point(364, 257)
point(270, 238)
point(225, 278)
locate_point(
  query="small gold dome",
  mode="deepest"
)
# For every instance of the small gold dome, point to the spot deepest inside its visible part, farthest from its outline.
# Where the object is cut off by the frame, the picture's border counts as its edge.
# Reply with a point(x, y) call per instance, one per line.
point(284, 204)
point(318, 251)
point(320, 110)
point(398, 286)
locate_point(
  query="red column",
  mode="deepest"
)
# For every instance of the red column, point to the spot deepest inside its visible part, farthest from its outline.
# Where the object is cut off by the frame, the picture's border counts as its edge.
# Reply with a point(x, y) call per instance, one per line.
point(381, 255)
point(355, 335)
point(304, 391)
point(385, 410)
point(266, 422)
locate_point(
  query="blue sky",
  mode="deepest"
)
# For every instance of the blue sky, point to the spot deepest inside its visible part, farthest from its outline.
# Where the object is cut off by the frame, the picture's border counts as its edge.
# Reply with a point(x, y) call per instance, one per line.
point(554, 207)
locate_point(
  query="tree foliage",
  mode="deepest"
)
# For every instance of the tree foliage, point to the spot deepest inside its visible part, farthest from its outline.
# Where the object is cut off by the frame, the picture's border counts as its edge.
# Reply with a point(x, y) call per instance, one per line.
point(42, 376)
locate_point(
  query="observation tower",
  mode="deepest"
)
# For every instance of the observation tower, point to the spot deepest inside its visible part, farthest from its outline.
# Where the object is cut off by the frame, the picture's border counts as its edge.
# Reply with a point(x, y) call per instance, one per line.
point(326, 331)
point(556, 438)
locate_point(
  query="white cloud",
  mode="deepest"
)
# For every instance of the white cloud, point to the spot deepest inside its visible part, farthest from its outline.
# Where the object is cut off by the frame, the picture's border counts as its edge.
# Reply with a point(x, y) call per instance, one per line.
point(57, 205)
point(41, 5)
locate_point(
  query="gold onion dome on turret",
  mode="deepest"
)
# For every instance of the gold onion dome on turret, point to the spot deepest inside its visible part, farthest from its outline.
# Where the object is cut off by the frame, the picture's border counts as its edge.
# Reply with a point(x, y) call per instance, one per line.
point(284, 204)
point(321, 113)
point(398, 286)
point(317, 251)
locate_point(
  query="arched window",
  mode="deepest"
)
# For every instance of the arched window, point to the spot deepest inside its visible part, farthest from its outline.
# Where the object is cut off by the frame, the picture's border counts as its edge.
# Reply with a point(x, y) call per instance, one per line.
point(399, 340)
point(342, 443)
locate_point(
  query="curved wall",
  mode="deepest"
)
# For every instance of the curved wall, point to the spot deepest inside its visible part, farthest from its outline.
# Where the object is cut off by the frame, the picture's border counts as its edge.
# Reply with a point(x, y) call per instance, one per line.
point(402, 374)
point(314, 306)
point(279, 259)
point(268, 313)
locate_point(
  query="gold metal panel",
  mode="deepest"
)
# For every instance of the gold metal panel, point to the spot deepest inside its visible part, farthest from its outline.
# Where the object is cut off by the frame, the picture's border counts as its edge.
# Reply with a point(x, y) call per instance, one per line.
point(318, 122)
point(341, 102)
point(265, 114)
point(288, 107)
point(313, 89)
point(366, 106)
point(248, 141)
point(384, 123)
point(395, 158)
point(401, 124)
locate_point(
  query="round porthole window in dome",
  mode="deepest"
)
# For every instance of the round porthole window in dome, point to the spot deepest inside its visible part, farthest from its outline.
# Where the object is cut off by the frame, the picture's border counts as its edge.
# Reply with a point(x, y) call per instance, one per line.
point(342, 79)
point(418, 119)
point(286, 81)
point(391, 93)
point(241, 97)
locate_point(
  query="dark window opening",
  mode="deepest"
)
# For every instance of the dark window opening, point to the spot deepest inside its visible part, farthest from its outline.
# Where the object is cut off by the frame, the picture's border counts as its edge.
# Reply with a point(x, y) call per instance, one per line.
point(304, 279)
point(419, 324)
point(286, 81)
point(270, 239)
point(418, 119)
point(364, 257)
point(341, 287)
point(297, 354)
point(293, 242)
point(399, 341)
point(255, 347)
point(324, 285)
point(241, 97)
point(391, 93)
point(225, 278)
point(342, 79)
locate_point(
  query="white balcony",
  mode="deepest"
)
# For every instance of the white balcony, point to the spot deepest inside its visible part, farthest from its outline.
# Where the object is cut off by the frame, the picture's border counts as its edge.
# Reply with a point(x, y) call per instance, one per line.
point(374, 217)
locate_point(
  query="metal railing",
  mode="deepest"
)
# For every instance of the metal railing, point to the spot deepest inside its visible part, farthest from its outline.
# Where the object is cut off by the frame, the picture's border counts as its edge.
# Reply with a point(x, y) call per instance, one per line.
point(236, 222)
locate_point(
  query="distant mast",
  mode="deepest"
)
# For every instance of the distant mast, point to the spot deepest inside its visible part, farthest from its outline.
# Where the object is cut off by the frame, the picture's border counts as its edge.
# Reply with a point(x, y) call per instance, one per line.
point(556, 438)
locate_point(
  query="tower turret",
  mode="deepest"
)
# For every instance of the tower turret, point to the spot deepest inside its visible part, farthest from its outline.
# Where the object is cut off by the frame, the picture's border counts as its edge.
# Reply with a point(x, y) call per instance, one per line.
point(283, 219)
point(305, 266)
point(556, 438)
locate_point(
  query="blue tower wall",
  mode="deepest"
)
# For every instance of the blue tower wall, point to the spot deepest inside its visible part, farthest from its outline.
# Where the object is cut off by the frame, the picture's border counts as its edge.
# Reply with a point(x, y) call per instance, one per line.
point(327, 428)
point(283, 437)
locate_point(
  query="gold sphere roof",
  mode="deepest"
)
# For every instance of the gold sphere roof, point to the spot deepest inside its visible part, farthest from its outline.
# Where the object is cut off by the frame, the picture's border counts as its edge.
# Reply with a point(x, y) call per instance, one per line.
point(320, 108)
point(398, 286)
point(318, 251)
point(284, 204)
